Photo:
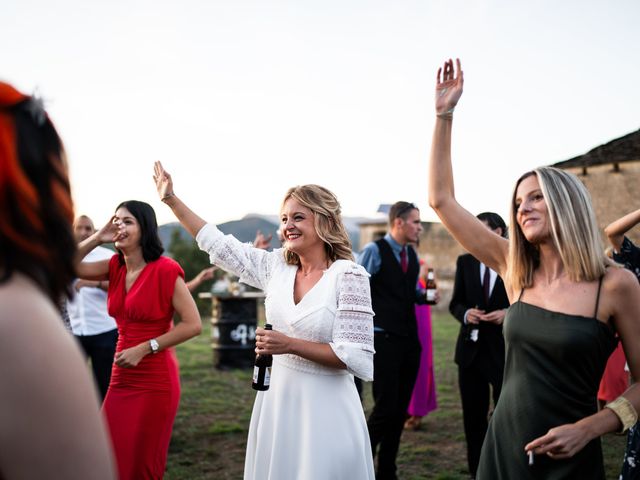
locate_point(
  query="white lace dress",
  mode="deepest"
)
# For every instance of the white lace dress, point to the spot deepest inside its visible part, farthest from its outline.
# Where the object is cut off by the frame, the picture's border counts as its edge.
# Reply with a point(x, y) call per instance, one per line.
point(310, 424)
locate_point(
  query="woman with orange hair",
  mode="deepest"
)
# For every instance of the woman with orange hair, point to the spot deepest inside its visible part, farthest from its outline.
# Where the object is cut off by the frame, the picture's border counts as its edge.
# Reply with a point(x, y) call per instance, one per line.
point(46, 388)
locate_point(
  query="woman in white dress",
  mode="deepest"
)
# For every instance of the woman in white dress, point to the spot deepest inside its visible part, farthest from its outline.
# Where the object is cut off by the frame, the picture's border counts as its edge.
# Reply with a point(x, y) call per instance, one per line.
point(310, 423)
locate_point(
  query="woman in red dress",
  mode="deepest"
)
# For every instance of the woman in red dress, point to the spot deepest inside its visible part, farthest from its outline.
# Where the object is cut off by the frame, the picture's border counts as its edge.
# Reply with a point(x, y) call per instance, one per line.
point(145, 289)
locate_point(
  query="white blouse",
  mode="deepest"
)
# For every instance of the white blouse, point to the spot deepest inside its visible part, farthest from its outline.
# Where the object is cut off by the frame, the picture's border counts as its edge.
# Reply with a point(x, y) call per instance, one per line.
point(337, 310)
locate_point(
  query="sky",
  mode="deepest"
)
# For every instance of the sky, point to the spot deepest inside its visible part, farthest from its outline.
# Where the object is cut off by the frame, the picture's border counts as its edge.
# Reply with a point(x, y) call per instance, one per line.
point(241, 100)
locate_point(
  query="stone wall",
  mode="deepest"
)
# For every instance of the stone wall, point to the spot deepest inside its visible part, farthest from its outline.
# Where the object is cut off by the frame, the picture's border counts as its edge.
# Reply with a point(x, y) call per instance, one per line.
point(614, 192)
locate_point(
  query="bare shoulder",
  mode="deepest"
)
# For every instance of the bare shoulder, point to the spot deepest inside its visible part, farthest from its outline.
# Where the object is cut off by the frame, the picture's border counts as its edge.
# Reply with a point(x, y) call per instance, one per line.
point(45, 379)
point(619, 280)
point(31, 329)
point(620, 292)
point(23, 307)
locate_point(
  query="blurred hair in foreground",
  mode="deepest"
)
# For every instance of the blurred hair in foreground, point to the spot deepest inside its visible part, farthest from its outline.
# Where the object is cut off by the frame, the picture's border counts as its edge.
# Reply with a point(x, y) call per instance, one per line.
point(36, 210)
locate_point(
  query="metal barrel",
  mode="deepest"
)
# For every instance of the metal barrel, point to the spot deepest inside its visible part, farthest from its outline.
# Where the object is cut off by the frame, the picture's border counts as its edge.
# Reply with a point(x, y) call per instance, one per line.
point(233, 329)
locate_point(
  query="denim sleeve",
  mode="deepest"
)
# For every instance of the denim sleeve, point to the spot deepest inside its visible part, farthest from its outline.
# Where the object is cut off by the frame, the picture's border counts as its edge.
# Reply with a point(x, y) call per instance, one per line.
point(369, 258)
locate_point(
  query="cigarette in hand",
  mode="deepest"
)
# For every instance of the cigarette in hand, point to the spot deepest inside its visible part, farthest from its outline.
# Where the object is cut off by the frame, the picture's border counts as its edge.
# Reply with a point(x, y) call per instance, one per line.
point(530, 453)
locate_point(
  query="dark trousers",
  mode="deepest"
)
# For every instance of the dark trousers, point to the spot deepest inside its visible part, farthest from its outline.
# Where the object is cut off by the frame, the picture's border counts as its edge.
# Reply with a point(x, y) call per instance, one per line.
point(474, 384)
point(395, 367)
point(101, 349)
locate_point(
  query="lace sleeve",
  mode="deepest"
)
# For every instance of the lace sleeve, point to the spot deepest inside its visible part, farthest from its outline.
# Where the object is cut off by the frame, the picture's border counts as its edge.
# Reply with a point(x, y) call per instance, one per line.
point(252, 265)
point(353, 326)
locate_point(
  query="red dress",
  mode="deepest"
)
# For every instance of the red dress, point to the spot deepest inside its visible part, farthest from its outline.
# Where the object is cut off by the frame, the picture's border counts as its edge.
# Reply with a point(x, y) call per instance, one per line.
point(142, 402)
point(614, 379)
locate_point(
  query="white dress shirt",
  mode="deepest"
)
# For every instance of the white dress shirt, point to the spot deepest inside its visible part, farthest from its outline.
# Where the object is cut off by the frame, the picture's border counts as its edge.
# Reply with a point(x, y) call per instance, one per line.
point(492, 281)
point(492, 277)
point(88, 309)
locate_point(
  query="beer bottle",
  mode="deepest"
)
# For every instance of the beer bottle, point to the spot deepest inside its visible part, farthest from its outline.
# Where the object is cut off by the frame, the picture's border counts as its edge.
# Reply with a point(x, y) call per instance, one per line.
point(431, 287)
point(262, 368)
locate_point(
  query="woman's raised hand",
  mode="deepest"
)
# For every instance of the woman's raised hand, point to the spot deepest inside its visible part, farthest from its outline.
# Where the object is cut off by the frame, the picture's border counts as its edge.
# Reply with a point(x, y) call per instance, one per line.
point(164, 184)
point(449, 83)
point(187, 217)
point(111, 231)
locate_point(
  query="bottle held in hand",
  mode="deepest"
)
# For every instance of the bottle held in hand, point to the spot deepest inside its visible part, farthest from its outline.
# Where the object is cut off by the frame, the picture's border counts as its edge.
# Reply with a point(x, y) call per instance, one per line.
point(262, 369)
point(431, 287)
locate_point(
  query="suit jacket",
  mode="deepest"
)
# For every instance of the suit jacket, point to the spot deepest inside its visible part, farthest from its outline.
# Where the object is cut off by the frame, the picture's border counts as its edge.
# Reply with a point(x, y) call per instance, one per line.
point(468, 293)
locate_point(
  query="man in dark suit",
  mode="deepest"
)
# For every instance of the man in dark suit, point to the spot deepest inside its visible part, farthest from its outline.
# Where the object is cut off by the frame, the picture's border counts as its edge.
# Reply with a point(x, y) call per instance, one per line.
point(479, 303)
point(393, 266)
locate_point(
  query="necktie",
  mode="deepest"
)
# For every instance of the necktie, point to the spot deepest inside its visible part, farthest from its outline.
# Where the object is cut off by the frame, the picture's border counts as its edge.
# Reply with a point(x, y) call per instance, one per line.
point(403, 260)
point(486, 285)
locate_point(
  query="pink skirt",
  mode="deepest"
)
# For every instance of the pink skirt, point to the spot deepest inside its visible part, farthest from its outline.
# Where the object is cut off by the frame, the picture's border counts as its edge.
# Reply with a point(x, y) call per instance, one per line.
point(424, 398)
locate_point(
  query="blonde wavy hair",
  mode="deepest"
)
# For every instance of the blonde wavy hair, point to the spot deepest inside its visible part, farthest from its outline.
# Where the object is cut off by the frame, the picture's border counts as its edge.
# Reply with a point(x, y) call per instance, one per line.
point(573, 226)
point(327, 221)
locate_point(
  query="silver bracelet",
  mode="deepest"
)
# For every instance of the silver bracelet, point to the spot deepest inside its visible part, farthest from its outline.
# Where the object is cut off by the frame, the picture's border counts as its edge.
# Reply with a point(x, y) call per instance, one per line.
point(448, 115)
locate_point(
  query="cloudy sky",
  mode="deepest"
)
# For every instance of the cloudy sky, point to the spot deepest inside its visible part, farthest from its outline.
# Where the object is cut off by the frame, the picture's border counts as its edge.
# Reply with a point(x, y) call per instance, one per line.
point(242, 99)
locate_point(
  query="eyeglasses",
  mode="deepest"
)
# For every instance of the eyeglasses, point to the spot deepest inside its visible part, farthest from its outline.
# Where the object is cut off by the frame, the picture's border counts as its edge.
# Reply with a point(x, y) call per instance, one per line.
point(406, 208)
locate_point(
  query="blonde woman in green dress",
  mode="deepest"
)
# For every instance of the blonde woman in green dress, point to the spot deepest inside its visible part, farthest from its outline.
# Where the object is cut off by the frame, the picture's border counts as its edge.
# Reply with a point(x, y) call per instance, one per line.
point(567, 300)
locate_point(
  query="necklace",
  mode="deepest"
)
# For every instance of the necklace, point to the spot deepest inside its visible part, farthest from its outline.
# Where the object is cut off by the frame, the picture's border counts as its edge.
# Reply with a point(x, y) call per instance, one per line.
point(306, 274)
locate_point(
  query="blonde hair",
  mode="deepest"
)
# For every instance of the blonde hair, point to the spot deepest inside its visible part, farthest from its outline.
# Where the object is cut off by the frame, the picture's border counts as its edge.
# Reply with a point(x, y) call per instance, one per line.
point(573, 229)
point(327, 221)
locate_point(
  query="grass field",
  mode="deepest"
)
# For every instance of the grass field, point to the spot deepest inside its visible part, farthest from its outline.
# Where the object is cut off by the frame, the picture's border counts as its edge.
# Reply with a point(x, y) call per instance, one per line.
point(210, 432)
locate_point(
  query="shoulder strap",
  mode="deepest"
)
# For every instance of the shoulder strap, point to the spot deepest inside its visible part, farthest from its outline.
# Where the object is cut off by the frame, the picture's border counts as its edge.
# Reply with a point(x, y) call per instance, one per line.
point(520, 296)
point(595, 314)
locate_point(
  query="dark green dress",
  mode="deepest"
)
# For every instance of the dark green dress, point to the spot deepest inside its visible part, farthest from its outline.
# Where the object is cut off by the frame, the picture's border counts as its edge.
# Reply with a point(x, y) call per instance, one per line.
point(553, 367)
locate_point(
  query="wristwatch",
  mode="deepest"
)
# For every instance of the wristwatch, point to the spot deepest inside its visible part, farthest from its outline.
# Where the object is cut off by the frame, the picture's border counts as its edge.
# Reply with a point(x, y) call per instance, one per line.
point(153, 344)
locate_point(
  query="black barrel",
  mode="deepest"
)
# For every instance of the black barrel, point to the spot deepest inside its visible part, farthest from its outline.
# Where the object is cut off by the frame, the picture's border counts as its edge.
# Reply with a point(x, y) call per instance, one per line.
point(233, 329)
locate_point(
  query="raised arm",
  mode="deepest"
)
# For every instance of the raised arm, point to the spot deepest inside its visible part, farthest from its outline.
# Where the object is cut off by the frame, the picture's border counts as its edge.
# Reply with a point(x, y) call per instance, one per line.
point(164, 184)
point(204, 275)
point(615, 230)
point(262, 241)
point(97, 270)
point(486, 246)
point(225, 251)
